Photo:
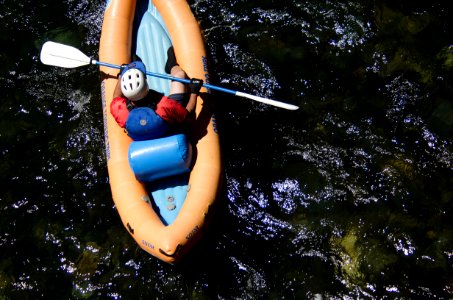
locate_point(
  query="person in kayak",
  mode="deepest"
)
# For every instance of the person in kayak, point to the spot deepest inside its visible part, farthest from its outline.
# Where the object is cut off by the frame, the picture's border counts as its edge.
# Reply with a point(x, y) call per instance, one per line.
point(133, 105)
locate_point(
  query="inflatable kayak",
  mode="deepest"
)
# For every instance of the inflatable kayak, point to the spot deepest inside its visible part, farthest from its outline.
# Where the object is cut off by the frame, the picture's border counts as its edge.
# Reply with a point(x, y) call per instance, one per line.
point(164, 189)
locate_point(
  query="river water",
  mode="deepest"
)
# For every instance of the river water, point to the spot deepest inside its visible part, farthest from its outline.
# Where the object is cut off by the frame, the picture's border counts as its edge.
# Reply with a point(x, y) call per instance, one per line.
point(350, 197)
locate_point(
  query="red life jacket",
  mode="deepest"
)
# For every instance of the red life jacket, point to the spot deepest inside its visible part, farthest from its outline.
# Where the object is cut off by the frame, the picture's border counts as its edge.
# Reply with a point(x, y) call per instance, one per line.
point(171, 111)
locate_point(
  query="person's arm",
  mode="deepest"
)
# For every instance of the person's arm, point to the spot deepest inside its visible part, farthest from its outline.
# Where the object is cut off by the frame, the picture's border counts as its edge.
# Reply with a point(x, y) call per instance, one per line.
point(117, 92)
point(192, 103)
point(118, 106)
point(194, 86)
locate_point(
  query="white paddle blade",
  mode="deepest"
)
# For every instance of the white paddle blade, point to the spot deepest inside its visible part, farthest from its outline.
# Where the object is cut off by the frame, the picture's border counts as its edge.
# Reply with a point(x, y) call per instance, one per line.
point(268, 101)
point(55, 54)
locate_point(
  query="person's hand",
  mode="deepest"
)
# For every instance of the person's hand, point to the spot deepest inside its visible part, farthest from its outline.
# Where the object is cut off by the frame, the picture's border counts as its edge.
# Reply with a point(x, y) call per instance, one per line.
point(195, 85)
point(123, 68)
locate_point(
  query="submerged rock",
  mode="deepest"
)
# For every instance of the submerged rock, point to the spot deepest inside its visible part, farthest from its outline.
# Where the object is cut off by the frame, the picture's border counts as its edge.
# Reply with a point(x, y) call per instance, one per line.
point(363, 260)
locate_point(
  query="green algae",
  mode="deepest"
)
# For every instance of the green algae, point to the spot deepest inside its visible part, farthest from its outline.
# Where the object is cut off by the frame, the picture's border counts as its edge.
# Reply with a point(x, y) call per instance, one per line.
point(351, 257)
point(363, 260)
point(445, 55)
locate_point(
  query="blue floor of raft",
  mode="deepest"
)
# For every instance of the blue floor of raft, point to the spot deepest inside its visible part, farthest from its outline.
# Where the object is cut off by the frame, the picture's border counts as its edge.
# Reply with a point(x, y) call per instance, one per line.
point(152, 42)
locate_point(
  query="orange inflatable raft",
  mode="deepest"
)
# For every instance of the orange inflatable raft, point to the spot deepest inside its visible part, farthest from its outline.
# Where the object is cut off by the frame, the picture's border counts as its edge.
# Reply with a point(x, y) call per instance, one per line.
point(133, 199)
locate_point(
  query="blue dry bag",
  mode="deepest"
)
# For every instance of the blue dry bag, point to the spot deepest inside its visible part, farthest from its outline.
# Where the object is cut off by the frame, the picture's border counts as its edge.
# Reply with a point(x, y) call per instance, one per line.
point(159, 158)
point(143, 124)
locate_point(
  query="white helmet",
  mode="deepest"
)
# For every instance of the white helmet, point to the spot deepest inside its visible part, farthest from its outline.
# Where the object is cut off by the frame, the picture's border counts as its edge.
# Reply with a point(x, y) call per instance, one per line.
point(134, 85)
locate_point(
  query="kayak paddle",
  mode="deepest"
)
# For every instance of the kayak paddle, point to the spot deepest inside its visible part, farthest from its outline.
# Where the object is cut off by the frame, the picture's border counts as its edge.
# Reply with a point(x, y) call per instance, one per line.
point(60, 55)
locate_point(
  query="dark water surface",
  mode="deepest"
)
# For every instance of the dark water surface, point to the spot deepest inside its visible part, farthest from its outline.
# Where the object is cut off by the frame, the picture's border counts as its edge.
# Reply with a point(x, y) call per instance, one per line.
point(348, 198)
